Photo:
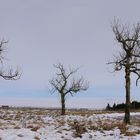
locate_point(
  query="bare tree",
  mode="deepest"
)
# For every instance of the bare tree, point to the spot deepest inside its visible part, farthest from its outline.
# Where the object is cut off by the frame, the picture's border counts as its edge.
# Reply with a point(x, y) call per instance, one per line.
point(10, 74)
point(65, 84)
point(128, 58)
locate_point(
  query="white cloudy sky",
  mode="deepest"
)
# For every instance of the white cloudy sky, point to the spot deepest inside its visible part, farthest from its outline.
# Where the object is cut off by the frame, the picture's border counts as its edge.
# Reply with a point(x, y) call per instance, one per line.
point(76, 32)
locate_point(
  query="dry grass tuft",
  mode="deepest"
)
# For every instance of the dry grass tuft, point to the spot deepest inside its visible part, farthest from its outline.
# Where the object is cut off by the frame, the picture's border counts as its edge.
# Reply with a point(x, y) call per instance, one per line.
point(79, 128)
point(36, 138)
point(130, 134)
point(16, 127)
point(35, 128)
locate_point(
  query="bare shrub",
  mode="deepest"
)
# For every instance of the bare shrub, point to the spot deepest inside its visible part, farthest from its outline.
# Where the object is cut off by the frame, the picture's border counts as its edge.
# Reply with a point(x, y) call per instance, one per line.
point(79, 128)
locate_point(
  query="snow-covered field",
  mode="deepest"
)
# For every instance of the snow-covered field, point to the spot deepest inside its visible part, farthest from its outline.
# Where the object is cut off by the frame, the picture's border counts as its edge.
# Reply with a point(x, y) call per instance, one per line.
point(41, 124)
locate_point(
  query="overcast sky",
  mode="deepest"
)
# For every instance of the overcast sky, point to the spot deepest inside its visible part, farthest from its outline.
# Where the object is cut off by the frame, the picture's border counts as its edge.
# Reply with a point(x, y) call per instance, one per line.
point(75, 32)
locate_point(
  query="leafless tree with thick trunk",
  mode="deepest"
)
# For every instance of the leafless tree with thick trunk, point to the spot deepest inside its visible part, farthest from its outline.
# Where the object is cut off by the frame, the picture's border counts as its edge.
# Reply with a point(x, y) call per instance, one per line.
point(64, 83)
point(128, 58)
point(10, 74)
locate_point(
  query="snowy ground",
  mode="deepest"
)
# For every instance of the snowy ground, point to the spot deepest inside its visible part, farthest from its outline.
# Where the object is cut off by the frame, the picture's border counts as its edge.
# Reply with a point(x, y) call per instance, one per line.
point(41, 124)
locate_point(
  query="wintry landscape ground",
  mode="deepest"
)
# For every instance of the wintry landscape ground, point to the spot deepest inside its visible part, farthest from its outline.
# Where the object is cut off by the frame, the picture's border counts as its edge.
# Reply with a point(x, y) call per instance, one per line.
point(48, 124)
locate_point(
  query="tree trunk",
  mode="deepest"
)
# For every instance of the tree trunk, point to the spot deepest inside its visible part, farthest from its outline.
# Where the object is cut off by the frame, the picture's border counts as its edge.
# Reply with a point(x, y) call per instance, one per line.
point(127, 106)
point(62, 104)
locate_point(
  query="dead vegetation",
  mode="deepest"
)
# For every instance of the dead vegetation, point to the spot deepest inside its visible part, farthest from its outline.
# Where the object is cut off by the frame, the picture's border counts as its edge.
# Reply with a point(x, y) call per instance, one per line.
point(77, 122)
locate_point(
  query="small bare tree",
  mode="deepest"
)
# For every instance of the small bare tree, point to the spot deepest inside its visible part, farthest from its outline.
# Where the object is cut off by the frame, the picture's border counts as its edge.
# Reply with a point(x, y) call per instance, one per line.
point(10, 74)
point(65, 84)
point(129, 57)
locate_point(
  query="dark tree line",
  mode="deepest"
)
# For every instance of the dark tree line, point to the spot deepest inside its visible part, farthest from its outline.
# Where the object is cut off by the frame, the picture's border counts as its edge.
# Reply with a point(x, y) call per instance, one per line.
point(133, 105)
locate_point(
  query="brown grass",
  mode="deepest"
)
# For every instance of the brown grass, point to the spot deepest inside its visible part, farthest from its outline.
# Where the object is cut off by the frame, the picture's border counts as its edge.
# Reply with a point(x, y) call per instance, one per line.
point(36, 138)
point(130, 134)
point(79, 128)
point(35, 128)
point(16, 127)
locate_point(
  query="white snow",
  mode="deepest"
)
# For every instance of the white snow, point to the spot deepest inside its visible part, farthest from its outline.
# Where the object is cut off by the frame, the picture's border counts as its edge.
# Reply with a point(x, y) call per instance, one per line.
point(35, 124)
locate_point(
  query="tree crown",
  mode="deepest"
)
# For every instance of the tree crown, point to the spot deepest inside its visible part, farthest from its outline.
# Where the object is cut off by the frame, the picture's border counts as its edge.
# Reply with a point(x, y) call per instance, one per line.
point(129, 40)
point(65, 83)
